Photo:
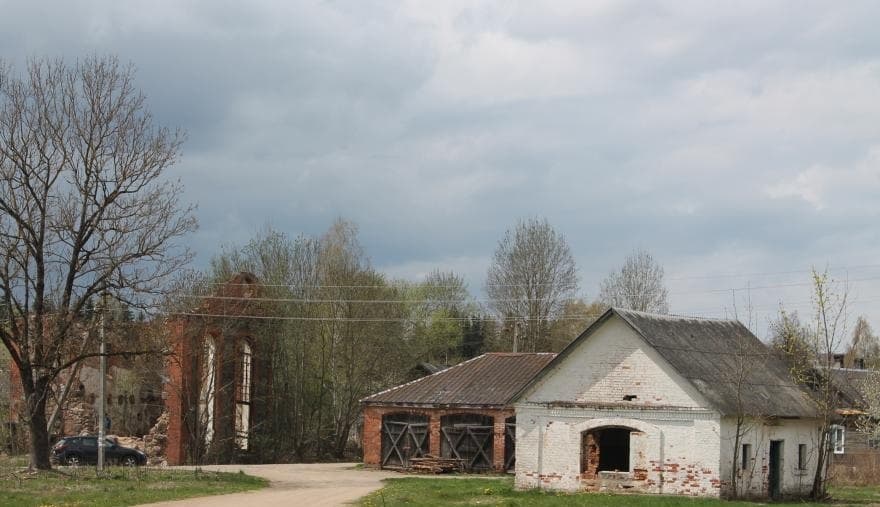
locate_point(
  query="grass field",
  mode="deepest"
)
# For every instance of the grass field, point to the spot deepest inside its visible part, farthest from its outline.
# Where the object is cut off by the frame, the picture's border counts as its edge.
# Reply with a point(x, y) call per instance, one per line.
point(500, 492)
point(120, 486)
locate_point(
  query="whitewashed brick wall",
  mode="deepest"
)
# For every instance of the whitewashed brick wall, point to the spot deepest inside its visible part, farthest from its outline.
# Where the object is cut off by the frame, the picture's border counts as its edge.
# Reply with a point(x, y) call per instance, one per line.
point(680, 444)
point(676, 447)
point(754, 480)
point(613, 363)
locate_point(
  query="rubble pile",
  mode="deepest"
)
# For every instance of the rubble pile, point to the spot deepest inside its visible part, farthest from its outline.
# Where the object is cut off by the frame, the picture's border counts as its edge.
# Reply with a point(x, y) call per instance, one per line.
point(156, 442)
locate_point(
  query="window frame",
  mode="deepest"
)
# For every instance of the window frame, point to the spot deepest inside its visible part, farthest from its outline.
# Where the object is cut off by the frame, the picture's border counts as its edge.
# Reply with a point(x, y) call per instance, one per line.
point(243, 394)
point(838, 445)
point(802, 457)
point(745, 458)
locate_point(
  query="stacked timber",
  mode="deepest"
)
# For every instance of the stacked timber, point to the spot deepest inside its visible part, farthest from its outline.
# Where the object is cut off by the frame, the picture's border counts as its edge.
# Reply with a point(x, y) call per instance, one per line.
point(434, 465)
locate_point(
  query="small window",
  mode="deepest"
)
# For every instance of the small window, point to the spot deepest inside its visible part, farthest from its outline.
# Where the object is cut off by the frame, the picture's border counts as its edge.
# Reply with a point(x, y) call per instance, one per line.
point(630, 397)
point(838, 438)
point(746, 455)
point(802, 456)
point(89, 442)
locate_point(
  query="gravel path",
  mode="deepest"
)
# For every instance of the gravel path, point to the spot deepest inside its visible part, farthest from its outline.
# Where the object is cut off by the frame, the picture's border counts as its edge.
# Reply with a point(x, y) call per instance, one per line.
point(311, 485)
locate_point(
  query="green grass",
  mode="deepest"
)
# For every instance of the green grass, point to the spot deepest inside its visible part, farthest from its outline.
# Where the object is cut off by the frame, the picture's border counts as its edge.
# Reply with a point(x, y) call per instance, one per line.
point(500, 492)
point(119, 486)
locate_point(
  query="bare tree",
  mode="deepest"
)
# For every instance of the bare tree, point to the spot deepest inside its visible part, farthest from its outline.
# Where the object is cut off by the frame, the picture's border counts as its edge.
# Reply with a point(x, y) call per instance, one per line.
point(84, 209)
point(576, 317)
point(864, 349)
point(637, 286)
point(810, 352)
point(532, 276)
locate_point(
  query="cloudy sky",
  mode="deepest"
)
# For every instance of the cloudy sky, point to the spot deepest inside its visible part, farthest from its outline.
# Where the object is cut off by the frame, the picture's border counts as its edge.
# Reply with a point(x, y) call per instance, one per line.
point(738, 142)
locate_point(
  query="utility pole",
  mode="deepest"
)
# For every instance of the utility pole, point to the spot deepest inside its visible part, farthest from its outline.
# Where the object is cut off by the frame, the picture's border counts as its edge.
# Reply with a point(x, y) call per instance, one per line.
point(515, 334)
point(102, 396)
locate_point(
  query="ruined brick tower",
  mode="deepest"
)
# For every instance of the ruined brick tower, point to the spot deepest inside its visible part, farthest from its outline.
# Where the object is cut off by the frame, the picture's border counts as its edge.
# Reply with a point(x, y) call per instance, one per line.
point(217, 377)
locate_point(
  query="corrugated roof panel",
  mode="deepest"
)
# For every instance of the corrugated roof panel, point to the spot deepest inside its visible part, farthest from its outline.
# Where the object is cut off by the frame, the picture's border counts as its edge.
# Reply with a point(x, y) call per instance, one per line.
point(488, 380)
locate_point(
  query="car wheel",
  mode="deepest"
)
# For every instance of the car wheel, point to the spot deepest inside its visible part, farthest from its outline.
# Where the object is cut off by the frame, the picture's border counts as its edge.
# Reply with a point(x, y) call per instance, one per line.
point(129, 461)
point(73, 460)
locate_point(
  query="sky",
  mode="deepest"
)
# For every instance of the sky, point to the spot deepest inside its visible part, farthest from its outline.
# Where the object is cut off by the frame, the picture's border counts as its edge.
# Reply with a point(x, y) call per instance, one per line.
point(738, 142)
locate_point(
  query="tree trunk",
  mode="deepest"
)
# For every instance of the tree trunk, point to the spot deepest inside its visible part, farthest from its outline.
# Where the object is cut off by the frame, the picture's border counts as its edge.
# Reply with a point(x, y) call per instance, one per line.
point(36, 407)
point(818, 491)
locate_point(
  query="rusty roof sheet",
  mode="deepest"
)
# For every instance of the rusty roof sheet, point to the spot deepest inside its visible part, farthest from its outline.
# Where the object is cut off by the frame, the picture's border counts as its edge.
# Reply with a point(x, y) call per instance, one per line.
point(488, 380)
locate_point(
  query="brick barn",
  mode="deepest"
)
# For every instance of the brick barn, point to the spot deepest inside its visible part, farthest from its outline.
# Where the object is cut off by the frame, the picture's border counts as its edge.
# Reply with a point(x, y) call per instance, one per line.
point(462, 412)
point(649, 403)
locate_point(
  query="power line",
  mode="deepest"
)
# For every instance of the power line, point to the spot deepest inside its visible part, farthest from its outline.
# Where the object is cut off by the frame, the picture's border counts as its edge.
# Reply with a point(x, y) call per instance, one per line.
point(486, 300)
point(405, 284)
point(374, 319)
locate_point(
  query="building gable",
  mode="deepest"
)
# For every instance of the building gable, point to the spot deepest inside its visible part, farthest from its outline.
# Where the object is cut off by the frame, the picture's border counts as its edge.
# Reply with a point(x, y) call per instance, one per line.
point(614, 367)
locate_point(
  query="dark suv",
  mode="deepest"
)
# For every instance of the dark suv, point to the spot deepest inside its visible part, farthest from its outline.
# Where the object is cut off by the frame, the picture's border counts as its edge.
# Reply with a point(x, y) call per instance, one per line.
point(84, 449)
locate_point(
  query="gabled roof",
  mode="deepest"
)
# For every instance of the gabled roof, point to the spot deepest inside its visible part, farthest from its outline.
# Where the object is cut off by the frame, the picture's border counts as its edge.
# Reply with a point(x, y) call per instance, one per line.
point(722, 359)
point(487, 380)
point(850, 385)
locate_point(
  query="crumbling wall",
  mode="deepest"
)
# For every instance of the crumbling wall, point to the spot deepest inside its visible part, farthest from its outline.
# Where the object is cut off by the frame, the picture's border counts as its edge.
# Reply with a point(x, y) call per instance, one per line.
point(673, 452)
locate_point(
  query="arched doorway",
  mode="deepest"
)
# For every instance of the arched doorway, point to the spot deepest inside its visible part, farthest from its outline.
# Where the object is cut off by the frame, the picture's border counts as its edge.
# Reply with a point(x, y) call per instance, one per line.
point(404, 436)
point(605, 449)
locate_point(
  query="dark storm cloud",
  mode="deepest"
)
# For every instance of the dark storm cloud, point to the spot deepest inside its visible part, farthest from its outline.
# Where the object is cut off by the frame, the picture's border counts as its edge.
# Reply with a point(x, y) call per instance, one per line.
point(725, 139)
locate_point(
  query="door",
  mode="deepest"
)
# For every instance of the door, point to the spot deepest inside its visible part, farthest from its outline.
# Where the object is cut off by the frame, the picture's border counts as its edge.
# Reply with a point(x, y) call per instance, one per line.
point(89, 447)
point(774, 477)
point(404, 436)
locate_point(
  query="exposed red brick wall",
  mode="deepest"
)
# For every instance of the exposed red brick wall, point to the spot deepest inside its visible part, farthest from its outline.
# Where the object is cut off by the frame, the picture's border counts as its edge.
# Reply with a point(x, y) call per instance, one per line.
point(174, 392)
point(590, 455)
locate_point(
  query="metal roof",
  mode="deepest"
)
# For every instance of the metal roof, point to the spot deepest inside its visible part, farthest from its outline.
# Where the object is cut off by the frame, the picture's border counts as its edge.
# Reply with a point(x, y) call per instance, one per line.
point(488, 380)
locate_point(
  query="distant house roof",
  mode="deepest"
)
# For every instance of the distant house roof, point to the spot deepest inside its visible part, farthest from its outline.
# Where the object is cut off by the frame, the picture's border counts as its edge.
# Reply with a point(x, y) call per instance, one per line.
point(488, 380)
point(715, 356)
point(850, 383)
point(428, 368)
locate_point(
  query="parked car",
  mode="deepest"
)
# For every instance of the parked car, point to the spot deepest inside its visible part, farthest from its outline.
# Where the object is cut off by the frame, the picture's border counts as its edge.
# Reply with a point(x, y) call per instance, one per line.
point(82, 450)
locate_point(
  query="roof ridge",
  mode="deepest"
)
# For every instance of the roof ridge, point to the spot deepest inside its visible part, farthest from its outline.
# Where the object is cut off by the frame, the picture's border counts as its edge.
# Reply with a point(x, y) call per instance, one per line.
point(674, 316)
point(422, 378)
point(518, 353)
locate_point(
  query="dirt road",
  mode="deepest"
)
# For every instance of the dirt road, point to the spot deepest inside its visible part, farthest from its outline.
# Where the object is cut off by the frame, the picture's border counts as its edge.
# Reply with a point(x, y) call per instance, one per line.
point(312, 485)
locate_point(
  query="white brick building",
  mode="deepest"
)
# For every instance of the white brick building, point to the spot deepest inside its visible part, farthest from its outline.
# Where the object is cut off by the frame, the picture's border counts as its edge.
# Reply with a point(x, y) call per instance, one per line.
point(649, 403)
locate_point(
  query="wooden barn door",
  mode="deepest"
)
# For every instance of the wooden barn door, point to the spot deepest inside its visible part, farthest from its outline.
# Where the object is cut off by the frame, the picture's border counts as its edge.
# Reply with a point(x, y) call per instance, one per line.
point(470, 438)
point(404, 436)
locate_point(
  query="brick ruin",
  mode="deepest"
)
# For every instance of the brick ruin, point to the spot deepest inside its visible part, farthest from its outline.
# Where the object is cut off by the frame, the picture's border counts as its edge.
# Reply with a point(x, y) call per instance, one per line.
point(216, 376)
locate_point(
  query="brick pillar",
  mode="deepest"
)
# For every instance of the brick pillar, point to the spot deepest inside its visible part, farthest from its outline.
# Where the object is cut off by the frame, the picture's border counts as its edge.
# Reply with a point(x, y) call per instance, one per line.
point(372, 437)
point(434, 429)
point(173, 393)
point(498, 442)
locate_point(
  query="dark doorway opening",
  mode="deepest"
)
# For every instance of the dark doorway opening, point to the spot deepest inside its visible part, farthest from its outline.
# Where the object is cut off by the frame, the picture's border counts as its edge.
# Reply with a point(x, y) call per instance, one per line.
point(605, 450)
point(774, 477)
point(614, 450)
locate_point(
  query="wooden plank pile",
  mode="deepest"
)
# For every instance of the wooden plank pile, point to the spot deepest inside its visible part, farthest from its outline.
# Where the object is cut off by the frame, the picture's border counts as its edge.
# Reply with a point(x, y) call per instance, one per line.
point(435, 465)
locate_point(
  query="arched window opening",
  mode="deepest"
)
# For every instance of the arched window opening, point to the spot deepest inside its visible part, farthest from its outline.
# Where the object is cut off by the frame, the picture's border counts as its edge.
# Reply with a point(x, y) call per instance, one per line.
point(206, 397)
point(243, 397)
